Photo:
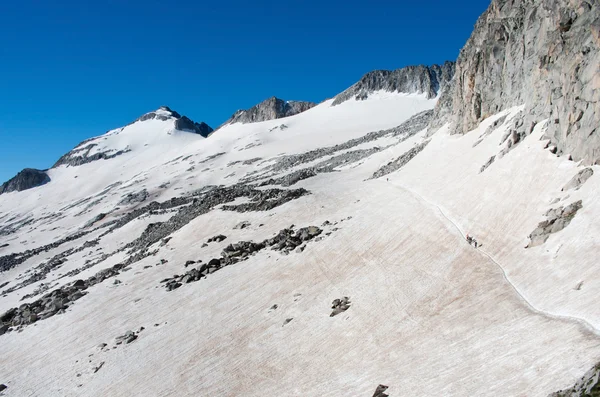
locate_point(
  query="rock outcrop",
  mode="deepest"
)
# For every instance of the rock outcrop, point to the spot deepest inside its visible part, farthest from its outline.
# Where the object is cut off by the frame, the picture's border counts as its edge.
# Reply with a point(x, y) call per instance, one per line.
point(429, 80)
point(557, 220)
point(26, 179)
point(540, 53)
point(270, 109)
point(182, 123)
point(579, 179)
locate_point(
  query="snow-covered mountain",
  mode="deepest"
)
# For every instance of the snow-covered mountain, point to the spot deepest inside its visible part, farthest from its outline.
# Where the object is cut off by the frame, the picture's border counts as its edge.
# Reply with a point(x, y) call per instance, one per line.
point(320, 251)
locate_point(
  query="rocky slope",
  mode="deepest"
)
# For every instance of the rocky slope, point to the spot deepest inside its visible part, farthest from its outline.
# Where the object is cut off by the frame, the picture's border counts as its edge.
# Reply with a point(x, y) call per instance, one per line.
point(544, 54)
point(429, 80)
point(26, 179)
point(269, 109)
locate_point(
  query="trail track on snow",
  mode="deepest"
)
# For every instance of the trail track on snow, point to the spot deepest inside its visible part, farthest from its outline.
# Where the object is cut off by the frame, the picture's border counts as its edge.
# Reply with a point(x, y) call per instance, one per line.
point(564, 318)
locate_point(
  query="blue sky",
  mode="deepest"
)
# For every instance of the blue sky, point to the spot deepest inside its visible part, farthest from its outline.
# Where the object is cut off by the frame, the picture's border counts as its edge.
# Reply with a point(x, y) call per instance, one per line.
point(75, 69)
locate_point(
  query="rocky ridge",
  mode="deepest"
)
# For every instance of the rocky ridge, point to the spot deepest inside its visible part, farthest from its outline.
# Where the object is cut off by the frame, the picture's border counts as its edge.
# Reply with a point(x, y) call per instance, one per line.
point(429, 80)
point(269, 109)
point(26, 179)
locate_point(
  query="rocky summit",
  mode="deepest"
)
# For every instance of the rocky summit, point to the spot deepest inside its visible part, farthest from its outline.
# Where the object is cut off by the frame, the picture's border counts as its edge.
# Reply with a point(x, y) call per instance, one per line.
point(26, 179)
point(428, 80)
point(269, 109)
point(431, 230)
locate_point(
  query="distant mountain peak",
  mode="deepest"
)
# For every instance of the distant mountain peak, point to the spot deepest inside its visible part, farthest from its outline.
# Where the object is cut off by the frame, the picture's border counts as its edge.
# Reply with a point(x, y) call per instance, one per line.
point(269, 109)
point(26, 179)
point(182, 123)
point(421, 79)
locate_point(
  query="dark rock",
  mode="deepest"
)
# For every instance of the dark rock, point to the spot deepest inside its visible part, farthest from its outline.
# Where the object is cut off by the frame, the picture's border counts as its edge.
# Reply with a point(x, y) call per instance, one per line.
point(3, 387)
point(24, 180)
point(216, 239)
point(242, 225)
point(379, 392)
point(487, 164)
point(340, 306)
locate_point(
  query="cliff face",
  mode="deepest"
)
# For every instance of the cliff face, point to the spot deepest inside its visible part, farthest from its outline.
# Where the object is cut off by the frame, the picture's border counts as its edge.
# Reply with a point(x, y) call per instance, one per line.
point(26, 179)
point(270, 109)
point(541, 53)
point(429, 80)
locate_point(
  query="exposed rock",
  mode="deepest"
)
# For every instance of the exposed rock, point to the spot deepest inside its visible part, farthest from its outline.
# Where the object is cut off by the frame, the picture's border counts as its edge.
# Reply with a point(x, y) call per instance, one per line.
point(487, 164)
point(182, 123)
point(340, 306)
point(379, 392)
point(185, 124)
point(401, 161)
point(541, 53)
point(216, 239)
point(3, 387)
point(285, 241)
point(402, 132)
point(82, 154)
point(26, 179)
point(270, 109)
point(126, 338)
point(558, 219)
point(97, 218)
point(579, 179)
point(242, 225)
point(587, 386)
point(429, 80)
point(292, 178)
point(134, 198)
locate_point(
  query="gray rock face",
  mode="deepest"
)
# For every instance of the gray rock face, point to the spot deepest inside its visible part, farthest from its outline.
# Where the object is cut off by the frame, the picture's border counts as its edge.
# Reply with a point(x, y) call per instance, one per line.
point(579, 179)
point(26, 179)
point(541, 53)
point(429, 80)
point(557, 220)
point(270, 109)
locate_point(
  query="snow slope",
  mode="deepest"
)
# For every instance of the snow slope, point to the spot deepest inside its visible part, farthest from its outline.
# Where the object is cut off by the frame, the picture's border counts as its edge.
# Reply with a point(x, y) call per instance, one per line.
point(430, 315)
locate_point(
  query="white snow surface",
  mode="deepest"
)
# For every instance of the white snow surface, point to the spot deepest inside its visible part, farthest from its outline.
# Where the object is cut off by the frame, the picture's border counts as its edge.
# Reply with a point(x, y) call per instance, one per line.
point(430, 315)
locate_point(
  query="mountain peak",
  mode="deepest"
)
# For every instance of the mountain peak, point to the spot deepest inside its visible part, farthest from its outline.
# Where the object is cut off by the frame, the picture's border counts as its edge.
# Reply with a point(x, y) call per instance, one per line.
point(182, 123)
point(269, 109)
point(26, 179)
point(429, 80)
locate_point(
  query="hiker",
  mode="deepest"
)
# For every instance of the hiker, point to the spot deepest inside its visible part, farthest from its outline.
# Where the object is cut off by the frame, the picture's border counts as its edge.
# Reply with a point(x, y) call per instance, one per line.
point(475, 243)
point(469, 239)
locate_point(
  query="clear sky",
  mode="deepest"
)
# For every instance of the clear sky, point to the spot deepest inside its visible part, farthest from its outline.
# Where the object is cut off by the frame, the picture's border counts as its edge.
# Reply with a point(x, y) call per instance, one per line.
point(71, 69)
